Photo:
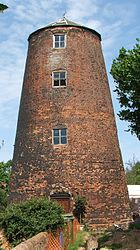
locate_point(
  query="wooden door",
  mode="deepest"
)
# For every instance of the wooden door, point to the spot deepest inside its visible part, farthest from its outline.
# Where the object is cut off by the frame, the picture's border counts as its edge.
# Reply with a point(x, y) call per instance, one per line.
point(63, 199)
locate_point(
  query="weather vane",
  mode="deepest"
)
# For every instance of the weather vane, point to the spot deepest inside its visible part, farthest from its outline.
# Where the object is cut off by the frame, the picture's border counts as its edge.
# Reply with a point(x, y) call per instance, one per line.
point(64, 15)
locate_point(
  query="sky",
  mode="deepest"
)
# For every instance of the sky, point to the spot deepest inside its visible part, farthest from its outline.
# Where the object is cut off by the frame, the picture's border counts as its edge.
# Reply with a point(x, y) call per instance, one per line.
point(118, 23)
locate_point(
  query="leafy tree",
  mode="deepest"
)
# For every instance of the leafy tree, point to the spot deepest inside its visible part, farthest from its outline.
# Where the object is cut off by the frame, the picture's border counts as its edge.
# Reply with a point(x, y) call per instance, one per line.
point(133, 173)
point(5, 169)
point(26, 219)
point(126, 73)
point(80, 208)
point(3, 7)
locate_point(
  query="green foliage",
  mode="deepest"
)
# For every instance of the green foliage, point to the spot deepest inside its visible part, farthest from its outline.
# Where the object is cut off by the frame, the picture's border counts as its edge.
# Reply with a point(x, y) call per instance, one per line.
point(80, 208)
point(104, 241)
point(134, 226)
point(26, 219)
point(133, 173)
point(126, 73)
point(0, 246)
point(3, 199)
point(79, 241)
point(115, 246)
point(3, 7)
point(104, 238)
point(5, 170)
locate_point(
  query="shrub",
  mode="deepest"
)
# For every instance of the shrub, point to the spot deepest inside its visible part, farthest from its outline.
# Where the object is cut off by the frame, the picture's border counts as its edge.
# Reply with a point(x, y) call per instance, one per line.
point(80, 208)
point(5, 170)
point(115, 246)
point(3, 199)
point(134, 225)
point(26, 219)
point(104, 238)
point(79, 241)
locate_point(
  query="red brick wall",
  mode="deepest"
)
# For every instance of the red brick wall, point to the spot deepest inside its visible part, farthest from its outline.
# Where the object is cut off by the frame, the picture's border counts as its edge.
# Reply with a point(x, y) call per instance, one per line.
point(90, 164)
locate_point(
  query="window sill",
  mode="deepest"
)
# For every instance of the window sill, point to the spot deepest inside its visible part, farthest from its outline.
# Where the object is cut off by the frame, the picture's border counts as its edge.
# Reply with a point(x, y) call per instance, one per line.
point(57, 87)
point(59, 48)
point(59, 145)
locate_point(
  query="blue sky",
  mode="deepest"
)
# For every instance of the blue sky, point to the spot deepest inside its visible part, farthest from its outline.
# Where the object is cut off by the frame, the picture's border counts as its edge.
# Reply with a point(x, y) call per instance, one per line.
point(118, 23)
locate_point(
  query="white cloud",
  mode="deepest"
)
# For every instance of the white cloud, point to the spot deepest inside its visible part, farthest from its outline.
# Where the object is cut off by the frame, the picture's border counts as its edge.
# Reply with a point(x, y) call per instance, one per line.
point(94, 24)
point(82, 10)
point(123, 11)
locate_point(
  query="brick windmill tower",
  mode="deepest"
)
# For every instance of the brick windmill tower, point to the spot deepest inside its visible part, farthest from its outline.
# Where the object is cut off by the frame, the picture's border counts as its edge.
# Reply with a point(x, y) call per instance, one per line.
point(66, 142)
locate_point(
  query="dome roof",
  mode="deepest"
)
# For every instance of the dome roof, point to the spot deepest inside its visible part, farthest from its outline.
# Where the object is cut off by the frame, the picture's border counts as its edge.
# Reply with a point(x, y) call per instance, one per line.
point(64, 22)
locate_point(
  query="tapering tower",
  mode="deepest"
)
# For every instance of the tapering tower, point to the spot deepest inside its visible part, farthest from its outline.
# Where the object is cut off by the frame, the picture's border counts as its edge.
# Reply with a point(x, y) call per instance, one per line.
point(66, 142)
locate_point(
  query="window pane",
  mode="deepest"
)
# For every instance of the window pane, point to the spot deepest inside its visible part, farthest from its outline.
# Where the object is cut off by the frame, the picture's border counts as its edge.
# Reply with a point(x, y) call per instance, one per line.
point(61, 44)
point(56, 44)
point(56, 75)
point(63, 132)
point(56, 140)
point(56, 38)
point(63, 140)
point(62, 38)
point(56, 132)
point(62, 82)
point(62, 75)
point(56, 82)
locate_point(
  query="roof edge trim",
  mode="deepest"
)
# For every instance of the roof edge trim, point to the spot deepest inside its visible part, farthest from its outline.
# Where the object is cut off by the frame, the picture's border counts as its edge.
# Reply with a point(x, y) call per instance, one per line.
point(54, 27)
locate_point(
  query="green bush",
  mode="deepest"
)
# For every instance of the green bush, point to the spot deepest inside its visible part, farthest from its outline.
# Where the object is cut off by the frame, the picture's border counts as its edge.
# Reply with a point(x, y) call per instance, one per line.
point(115, 246)
point(3, 199)
point(105, 237)
point(26, 219)
point(79, 241)
point(5, 171)
point(80, 208)
point(134, 226)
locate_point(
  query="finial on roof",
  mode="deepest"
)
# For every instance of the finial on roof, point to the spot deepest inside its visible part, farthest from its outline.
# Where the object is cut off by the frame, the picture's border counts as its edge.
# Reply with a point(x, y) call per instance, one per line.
point(64, 15)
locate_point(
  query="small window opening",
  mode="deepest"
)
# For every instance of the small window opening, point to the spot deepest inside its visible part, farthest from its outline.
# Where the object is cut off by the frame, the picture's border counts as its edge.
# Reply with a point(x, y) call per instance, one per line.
point(59, 136)
point(59, 79)
point(59, 41)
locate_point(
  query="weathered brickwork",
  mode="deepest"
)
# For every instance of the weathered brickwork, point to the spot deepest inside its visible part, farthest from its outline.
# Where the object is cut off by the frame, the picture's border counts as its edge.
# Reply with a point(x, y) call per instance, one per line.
point(90, 164)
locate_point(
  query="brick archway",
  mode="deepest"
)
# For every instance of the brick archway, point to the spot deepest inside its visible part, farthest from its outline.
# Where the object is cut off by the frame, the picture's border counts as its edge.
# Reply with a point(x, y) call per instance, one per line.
point(64, 199)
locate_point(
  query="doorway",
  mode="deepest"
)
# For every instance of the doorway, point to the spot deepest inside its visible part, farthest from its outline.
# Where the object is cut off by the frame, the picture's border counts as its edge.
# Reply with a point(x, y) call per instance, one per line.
point(63, 199)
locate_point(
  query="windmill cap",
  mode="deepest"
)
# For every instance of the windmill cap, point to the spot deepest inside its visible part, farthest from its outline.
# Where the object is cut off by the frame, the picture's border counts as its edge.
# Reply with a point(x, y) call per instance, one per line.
point(64, 22)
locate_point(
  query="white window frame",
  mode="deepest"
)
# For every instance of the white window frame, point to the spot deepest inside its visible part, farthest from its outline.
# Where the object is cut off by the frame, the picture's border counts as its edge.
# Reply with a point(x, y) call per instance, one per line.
point(59, 79)
point(59, 137)
point(59, 34)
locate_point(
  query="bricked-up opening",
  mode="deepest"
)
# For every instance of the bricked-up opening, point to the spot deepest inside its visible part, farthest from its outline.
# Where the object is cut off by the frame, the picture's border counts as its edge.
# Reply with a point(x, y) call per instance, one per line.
point(63, 199)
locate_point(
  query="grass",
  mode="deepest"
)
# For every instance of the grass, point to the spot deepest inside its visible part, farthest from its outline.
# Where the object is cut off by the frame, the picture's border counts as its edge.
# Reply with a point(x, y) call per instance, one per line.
point(79, 241)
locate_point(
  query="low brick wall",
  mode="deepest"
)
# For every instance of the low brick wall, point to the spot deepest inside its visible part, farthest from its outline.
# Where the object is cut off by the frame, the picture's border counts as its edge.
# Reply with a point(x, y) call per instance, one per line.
point(38, 242)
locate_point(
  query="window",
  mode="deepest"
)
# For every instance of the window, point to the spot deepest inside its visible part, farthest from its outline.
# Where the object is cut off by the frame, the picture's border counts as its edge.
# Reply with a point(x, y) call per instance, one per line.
point(59, 41)
point(59, 136)
point(59, 79)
